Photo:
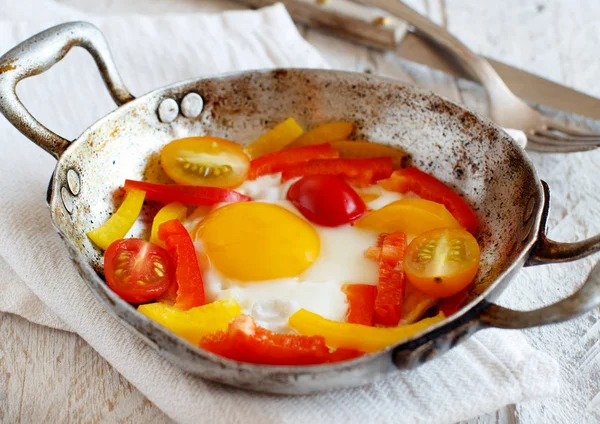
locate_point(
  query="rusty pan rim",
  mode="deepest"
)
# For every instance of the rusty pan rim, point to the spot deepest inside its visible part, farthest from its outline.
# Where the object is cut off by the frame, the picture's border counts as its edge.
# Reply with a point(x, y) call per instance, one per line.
point(113, 302)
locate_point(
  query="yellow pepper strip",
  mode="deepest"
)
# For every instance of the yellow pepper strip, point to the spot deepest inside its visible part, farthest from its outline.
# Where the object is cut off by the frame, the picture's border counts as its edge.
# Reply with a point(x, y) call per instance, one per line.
point(364, 149)
point(174, 210)
point(276, 139)
point(356, 336)
point(121, 221)
point(325, 133)
point(194, 323)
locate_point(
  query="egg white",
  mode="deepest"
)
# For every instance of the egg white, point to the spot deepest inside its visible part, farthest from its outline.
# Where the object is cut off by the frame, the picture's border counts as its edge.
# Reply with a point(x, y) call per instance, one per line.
point(319, 289)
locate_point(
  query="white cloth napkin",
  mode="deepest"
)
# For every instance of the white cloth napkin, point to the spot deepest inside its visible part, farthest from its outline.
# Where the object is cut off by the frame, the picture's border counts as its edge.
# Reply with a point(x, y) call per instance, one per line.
point(37, 280)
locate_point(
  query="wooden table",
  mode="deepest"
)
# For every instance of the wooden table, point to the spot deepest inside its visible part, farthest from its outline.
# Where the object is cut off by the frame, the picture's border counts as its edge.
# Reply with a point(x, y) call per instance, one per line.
point(54, 376)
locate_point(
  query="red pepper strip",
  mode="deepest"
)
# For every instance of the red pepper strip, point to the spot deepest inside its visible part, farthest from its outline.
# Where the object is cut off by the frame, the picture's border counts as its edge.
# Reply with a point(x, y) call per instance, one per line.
point(246, 342)
point(186, 194)
point(451, 305)
point(391, 285)
point(190, 287)
point(429, 188)
point(359, 171)
point(361, 303)
point(280, 160)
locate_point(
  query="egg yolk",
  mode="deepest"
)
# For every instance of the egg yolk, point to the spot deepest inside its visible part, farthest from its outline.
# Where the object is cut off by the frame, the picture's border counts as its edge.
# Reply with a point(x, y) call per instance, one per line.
point(251, 241)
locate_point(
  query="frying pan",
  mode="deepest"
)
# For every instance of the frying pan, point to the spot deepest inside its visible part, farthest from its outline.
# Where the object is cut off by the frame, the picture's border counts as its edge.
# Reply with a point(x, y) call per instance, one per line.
point(469, 153)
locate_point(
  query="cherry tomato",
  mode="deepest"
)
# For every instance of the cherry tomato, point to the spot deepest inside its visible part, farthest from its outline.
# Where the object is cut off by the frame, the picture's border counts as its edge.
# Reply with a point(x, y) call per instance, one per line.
point(136, 270)
point(205, 161)
point(442, 262)
point(326, 200)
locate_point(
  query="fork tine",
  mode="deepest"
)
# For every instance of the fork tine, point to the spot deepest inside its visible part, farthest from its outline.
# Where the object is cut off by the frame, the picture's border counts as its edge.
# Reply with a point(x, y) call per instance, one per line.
point(553, 125)
point(561, 138)
point(543, 144)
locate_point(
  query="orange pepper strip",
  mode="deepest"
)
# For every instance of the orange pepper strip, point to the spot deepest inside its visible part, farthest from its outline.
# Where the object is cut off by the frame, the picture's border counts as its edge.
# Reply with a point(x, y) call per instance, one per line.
point(415, 304)
point(430, 188)
point(410, 216)
point(325, 133)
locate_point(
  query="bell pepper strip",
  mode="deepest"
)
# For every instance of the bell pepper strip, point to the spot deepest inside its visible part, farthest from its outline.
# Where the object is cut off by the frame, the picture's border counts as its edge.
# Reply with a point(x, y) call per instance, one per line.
point(174, 210)
point(429, 188)
point(190, 286)
point(415, 304)
point(361, 303)
point(325, 133)
point(374, 252)
point(362, 172)
point(120, 222)
point(365, 149)
point(278, 161)
point(276, 139)
point(392, 281)
point(451, 305)
point(194, 323)
point(244, 341)
point(359, 337)
point(186, 194)
point(410, 216)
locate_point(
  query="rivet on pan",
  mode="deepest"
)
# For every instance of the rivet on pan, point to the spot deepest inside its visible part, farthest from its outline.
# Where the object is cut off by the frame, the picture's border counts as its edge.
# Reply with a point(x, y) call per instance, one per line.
point(73, 182)
point(168, 110)
point(67, 199)
point(192, 105)
point(529, 209)
point(382, 21)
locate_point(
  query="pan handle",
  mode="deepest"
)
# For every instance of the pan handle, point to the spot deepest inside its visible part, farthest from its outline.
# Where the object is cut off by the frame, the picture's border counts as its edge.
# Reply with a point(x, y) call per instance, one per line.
point(583, 300)
point(548, 251)
point(38, 54)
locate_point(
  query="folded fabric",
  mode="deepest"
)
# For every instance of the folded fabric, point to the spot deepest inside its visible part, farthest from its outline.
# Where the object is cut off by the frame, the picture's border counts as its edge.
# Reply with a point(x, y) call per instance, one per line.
point(492, 369)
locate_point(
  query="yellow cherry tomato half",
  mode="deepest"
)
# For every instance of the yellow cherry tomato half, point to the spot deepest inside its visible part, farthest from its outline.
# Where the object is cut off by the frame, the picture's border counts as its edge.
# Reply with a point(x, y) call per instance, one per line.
point(410, 216)
point(442, 262)
point(205, 161)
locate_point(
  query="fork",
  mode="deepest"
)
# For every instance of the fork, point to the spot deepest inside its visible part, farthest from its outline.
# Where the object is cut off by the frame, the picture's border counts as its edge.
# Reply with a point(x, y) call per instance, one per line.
point(543, 133)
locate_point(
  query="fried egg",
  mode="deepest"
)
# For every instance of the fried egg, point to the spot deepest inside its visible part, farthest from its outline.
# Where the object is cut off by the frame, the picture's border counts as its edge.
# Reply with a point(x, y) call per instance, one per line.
point(272, 261)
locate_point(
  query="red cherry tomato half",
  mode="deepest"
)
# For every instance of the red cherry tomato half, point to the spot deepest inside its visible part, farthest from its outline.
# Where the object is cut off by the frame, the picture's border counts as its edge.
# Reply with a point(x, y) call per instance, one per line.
point(136, 270)
point(326, 200)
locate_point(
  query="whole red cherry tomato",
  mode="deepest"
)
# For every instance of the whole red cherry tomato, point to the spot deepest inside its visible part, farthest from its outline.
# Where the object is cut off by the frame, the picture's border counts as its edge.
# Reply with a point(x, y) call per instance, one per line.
point(326, 200)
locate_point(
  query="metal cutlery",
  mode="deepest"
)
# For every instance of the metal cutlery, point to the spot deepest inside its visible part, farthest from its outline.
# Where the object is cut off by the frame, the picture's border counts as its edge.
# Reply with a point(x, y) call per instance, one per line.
point(369, 25)
point(543, 132)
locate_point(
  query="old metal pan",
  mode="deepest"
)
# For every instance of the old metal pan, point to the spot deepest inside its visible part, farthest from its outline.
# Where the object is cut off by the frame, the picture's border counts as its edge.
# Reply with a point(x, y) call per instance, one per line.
point(471, 154)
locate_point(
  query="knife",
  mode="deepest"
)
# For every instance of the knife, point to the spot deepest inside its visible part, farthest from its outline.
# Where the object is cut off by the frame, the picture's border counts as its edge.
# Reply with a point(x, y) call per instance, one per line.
point(375, 28)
